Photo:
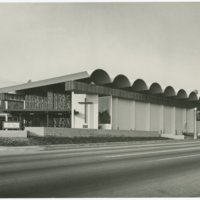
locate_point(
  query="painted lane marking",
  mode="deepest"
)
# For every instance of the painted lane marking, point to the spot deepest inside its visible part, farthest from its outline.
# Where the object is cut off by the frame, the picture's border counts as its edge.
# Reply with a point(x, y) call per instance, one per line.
point(129, 146)
point(177, 157)
point(120, 148)
point(119, 151)
point(39, 148)
point(153, 152)
point(110, 149)
point(70, 155)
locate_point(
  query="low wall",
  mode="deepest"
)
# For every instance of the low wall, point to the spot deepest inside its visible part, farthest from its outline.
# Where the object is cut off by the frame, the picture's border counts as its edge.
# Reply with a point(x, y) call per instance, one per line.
point(172, 136)
point(35, 131)
point(105, 126)
point(13, 134)
point(68, 132)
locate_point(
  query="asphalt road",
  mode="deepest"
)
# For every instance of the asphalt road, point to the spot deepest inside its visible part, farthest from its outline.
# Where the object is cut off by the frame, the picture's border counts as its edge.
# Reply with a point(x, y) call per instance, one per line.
point(111, 170)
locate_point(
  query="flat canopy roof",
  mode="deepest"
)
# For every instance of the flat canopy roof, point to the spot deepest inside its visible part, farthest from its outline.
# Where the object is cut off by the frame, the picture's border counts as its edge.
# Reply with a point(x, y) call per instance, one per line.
point(51, 81)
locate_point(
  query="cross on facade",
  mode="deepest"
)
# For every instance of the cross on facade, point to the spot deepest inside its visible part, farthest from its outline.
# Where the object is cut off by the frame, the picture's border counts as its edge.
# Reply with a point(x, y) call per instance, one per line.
point(85, 103)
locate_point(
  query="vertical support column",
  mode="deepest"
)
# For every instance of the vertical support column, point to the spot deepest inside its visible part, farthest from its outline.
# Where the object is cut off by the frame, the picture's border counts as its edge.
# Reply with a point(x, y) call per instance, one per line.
point(6, 105)
point(115, 121)
point(184, 120)
point(195, 124)
point(92, 111)
point(72, 111)
point(161, 125)
point(132, 115)
point(6, 117)
point(173, 122)
point(117, 112)
point(89, 112)
point(148, 116)
point(111, 111)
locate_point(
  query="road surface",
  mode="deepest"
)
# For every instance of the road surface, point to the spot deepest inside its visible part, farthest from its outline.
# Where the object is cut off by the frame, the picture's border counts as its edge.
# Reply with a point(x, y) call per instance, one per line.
point(107, 170)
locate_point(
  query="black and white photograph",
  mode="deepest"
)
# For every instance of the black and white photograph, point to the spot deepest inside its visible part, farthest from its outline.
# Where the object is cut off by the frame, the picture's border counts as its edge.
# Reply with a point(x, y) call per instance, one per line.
point(99, 99)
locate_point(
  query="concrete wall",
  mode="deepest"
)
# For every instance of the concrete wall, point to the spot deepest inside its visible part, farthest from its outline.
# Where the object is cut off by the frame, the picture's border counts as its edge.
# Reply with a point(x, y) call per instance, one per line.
point(93, 111)
point(169, 120)
point(142, 116)
point(13, 134)
point(67, 132)
point(156, 117)
point(35, 131)
point(124, 110)
point(180, 120)
point(198, 128)
point(132, 115)
point(115, 113)
point(190, 120)
point(123, 114)
point(78, 120)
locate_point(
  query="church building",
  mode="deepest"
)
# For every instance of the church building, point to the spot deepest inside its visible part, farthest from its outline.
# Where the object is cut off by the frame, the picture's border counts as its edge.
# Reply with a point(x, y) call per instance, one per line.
point(96, 101)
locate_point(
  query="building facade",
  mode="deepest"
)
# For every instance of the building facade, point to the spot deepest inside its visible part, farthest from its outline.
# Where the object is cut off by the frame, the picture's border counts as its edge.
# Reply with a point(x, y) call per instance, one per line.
point(97, 101)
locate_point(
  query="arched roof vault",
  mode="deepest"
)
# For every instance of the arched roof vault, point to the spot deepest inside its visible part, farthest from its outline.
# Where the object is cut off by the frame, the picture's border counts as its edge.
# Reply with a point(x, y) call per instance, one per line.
point(100, 77)
point(155, 88)
point(139, 85)
point(181, 94)
point(121, 81)
point(193, 96)
point(169, 92)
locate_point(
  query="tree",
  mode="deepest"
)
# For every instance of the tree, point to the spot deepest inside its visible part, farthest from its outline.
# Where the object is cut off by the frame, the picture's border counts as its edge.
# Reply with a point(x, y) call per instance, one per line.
point(104, 117)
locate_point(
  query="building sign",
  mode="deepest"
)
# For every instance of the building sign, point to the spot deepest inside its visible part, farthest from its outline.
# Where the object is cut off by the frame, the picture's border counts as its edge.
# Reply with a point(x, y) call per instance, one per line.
point(11, 125)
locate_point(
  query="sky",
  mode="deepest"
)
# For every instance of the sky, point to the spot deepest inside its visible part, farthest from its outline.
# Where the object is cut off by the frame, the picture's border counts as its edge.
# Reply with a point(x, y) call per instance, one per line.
point(158, 42)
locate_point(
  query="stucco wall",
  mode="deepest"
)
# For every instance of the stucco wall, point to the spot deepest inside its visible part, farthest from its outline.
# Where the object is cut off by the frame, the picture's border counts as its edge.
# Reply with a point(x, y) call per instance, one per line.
point(78, 120)
point(133, 115)
point(93, 111)
point(156, 117)
point(141, 116)
point(114, 113)
point(169, 120)
point(190, 120)
point(198, 128)
point(123, 114)
point(124, 120)
point(180, 120)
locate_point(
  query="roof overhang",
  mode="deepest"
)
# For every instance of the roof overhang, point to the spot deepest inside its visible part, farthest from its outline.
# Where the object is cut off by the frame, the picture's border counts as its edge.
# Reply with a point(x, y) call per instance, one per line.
point(51, 81)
